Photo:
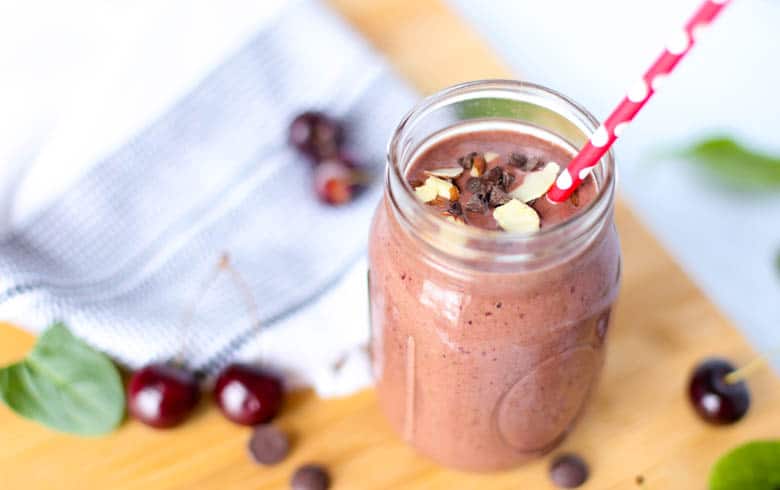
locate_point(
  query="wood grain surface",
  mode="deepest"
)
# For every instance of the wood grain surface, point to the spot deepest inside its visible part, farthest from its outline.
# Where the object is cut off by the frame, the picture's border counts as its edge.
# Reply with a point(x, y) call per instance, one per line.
point(639, 423)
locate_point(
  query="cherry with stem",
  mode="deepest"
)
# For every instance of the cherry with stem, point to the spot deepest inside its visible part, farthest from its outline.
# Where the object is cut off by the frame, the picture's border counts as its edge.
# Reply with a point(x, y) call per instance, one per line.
point(163, 395)
point(719, 391)
point(246, 394)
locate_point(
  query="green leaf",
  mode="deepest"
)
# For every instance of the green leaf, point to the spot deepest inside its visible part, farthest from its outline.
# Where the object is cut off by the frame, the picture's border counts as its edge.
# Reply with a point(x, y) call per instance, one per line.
point(735, 165)
point(753, 466)
point(65, 384)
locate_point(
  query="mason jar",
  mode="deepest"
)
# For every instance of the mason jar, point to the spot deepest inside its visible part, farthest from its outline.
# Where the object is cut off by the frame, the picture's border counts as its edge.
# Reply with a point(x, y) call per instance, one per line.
point(487, 345)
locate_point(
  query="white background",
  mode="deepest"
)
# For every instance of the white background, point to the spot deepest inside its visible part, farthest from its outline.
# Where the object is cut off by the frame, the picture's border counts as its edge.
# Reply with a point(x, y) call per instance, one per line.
point(78, 78)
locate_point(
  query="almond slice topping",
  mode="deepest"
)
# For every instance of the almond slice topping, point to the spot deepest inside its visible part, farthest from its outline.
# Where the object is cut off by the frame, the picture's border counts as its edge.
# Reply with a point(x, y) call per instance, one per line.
point(426, 193)
point(445, 173)
point(444, 189)
point(491, 156)
point(517, 216)
point(536, 184)
point(479, 165)
point(435, 187)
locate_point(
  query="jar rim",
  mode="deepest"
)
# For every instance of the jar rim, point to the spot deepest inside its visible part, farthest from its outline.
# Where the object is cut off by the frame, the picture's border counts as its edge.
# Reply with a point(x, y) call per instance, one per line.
point(521, 91)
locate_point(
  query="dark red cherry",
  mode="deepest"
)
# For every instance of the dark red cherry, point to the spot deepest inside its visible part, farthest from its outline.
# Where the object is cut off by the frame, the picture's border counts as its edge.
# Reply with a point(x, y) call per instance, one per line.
point(162, 395)
point(715, 400)
point(316, 135)
point(248, 395)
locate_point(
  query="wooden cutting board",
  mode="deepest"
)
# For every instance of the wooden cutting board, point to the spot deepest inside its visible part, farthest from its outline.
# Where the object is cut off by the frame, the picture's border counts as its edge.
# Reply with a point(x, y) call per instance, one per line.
point(639, 422)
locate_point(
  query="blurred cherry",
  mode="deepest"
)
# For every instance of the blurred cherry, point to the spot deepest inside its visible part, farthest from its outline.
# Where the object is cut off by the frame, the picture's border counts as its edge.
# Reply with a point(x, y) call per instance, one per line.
point(247, 395)
point(316, 135)
point(716, 400)
point(162, 395)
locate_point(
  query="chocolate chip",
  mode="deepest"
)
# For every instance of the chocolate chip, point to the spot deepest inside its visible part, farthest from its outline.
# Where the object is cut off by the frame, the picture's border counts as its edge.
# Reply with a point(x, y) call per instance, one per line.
point(476, 204)
point(268, 445)
point(467, 161)
point(518, 160)
point(498, 197)
point(568, 471)
point(507, 179)
point(524, 163)
point(494, 175)
point(455, 209)
point(474, 185)
point(310, 477)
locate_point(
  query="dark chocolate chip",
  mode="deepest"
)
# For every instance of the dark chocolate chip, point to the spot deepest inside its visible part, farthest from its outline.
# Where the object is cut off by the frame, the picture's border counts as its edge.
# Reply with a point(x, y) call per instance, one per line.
point(494, 175)
point(476, 204)
point(498, 197)
point(455, 209)
point(310, 477)
point(568, 471)
point(467, 161)
point(507, 179)
point(518, 160)
point(474, 185)
point(268, 445)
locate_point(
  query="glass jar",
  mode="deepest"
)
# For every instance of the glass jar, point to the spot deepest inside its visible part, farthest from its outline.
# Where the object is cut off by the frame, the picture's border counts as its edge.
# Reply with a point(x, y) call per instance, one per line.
point(487, 345)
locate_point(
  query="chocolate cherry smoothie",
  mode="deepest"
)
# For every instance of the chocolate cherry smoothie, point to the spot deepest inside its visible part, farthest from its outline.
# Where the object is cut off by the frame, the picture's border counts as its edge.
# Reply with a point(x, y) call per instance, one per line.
point(490, 305)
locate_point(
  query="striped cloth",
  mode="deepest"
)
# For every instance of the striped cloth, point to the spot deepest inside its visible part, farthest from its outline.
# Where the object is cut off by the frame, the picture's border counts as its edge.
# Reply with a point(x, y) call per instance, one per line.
point(121, 255)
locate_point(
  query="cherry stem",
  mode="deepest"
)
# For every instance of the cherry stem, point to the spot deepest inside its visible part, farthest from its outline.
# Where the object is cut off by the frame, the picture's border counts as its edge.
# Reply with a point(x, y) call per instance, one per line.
point(745, 371)
point(189, 314)
point(241, 284)
point(225, 265)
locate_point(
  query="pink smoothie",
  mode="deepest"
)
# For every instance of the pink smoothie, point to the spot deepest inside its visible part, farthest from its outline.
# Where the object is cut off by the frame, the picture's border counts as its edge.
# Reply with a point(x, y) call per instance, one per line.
point(482, 369)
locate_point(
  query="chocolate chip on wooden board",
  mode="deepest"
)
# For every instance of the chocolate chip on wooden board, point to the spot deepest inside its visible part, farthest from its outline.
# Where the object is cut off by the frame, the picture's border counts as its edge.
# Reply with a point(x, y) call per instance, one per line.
point(568, 471)
point(310, 477)
point(268, 445)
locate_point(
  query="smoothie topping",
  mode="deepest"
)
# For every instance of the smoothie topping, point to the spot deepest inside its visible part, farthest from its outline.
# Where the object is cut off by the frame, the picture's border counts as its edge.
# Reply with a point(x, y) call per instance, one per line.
point(517, 216)
point(491, 156)
point(479, 167)
point(445, 173)
point(536, 184)
point(436, 187)
point(521, 161)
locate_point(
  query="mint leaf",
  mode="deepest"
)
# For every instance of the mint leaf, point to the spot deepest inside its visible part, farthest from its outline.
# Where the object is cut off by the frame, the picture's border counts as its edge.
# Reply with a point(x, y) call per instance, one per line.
point(65, 384)
point(735, 165)
point(752, 466)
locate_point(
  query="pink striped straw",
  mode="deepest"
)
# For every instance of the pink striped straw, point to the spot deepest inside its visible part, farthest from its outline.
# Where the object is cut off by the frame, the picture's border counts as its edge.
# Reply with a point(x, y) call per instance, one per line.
point(606, 134)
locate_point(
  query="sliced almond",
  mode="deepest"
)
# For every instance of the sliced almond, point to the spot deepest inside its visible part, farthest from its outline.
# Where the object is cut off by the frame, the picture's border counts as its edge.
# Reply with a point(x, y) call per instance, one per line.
point(479, 166)
point(517, 216)
point(426, 192)
point(491, 156)
point(445, 173)
point(536, 184)
point(444, 189)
